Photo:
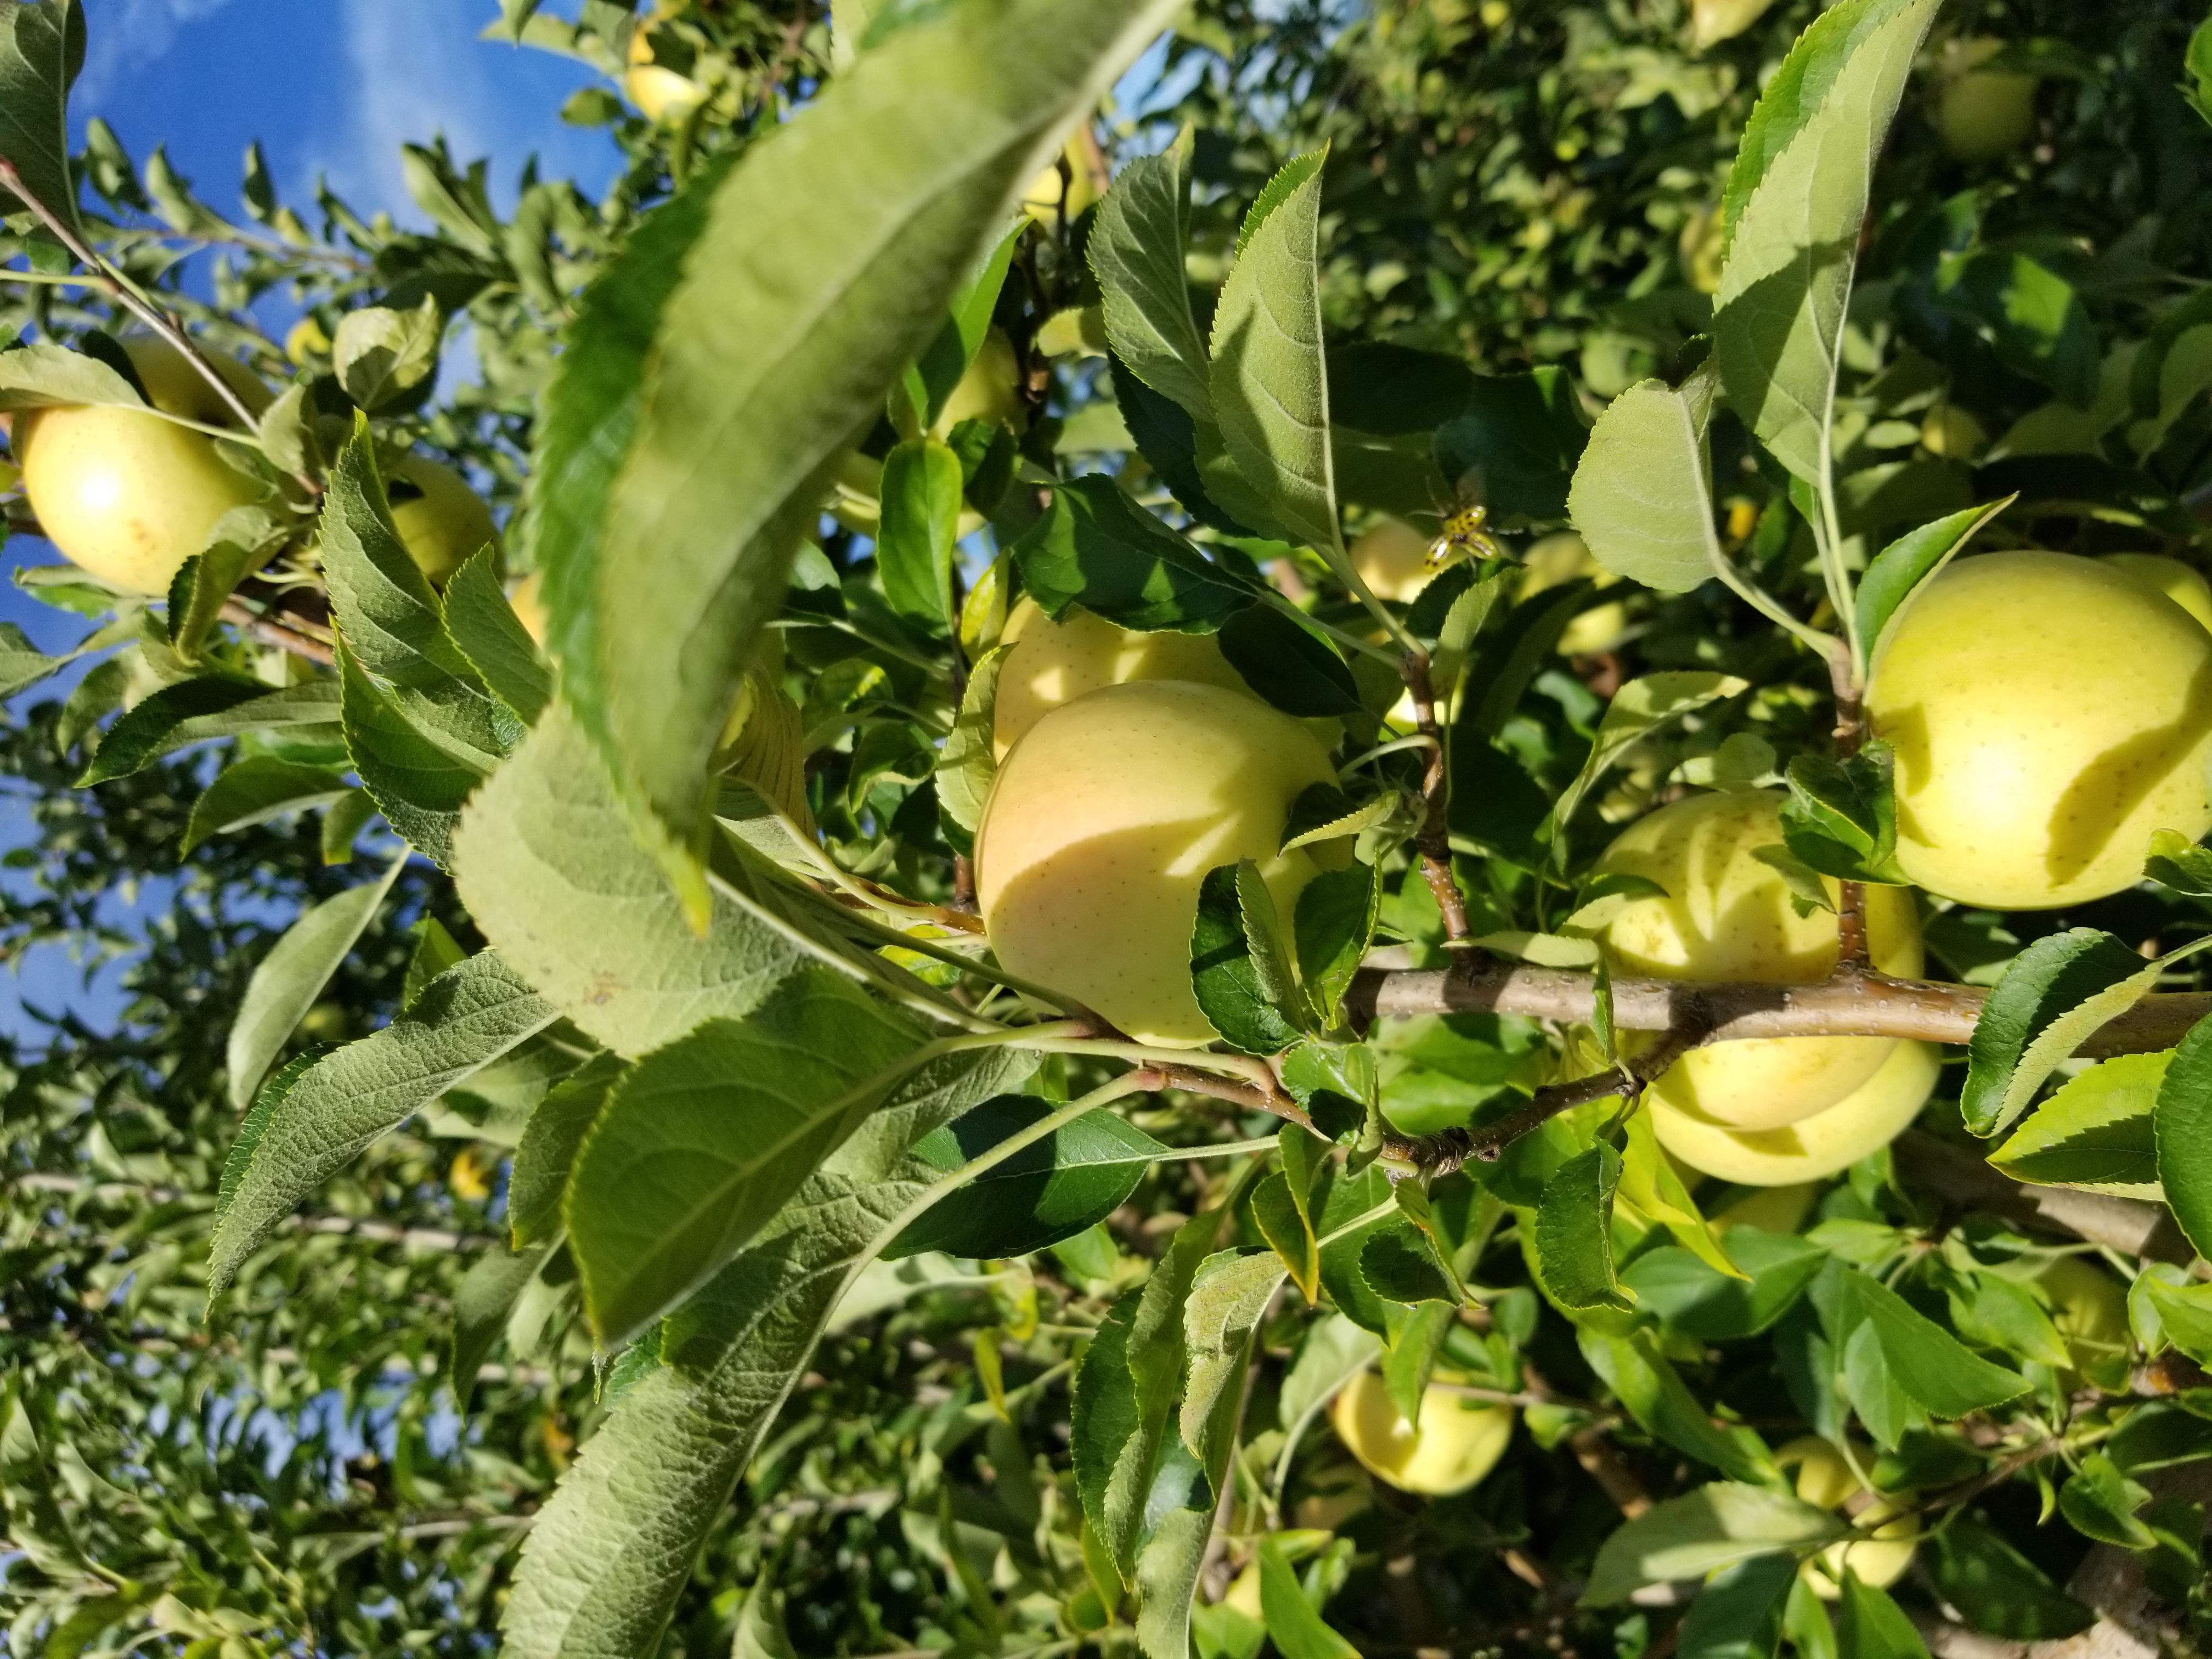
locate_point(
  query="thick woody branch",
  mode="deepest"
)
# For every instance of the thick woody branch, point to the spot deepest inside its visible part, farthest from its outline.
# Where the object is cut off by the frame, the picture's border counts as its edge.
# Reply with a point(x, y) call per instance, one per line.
point(1848, 1005)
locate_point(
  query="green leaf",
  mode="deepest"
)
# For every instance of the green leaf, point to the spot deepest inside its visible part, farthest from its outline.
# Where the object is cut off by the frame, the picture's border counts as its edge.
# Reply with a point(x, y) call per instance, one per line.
point(1399, 1265)
point(1639, 709)
point(1872, 1626)
point(1220, 1320)
point(22, 665)
point(41, 49)
point(931, 378)
point(761, 1632)
point(1935, 1371)
point(1053, 1189)
point(2182, 1121)
point(1332, 927)
point(1574, 1231)
point(2055, 994)
point(1335, 1349)
point(1643, 1380)
point(1269, 381)
point(1841, 816)
point(922, 502)
point(1124, 1390)
point(342, 825)
point(1693, 1296)
point(1294, 1624)
point(168, 720)
point(385, 607)
point(1289, 1233)
point(1642, 496)
point(492, 640)
point(1232, 980)
point(2179, 863)
point(1514, 447)
point(1097, 547)
point(2099, 1502)
point(468, 1017)
point(539, 1178)
point(380, 353)
point(616, 1545)
point(1793, 208)
point(287, 981)
point(702, 1141)
point(241, 541)
point(1997, 1589)
point(254, 791)
point(546, 864)
point(2094, 1133)
point(1894, 574)
point(1136, 250)
point(1994, 1312)
point(418, 782)
point(2180, 1313)
point(794, 310)
point(481, 1302)
point(1738, 1615)
point(1702, 1532)
point(1289, 664)
point(966, 765)
point(43, 375)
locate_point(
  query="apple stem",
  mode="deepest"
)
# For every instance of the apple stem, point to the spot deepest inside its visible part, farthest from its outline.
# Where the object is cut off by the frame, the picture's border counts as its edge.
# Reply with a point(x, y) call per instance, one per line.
point(1853, 954)
point(1434, 841)
point(134, 300)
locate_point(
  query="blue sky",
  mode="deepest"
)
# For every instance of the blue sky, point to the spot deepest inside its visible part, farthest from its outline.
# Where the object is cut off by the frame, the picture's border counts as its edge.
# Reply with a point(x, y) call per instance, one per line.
point(330, 88)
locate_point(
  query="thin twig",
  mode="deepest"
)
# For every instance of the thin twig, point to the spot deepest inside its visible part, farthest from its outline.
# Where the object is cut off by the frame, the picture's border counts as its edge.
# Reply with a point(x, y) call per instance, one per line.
point(270, 631)
point(1434, 841)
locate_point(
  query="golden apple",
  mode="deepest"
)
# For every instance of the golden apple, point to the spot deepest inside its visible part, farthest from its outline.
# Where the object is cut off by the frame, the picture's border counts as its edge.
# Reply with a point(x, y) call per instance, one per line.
point(528, 601)
point(1712, 21)
point(1813, 1148)
point(1459, 1440)
point(989, 391)
point(2177, 580)
point(2089, 1311)
point(443, 522)
point(1392, 558)
point(1698, 250)
point(1053, 663)
point(2049, 714)
point(1825, 1480)
point(1727, 917)
point(1102, 823)
point(1982, 114)
point(663, 96)
point(1042, 201)
point(124, 494)
point(1949, 431)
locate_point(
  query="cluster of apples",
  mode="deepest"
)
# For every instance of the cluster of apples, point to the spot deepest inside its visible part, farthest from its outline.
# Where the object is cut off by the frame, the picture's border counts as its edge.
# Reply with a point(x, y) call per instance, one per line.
point(2048, 713)
point(129, 496)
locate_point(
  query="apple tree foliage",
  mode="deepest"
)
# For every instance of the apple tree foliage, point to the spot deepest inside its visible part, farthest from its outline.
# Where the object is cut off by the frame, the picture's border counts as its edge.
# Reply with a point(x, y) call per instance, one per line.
point(571, 1178)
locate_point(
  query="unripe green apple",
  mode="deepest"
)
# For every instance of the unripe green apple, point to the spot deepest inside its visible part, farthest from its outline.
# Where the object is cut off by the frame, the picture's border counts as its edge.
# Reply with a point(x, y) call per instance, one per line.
point(2089, 1311)
point(443, 522)
point(1813, 1148)
point(2177, 580)
point(124, 494)
point(2049, 712)
point(1056, 662)
point(1459, 1440)
point(1562, 556)
point(1104, 820)
point(1982, 114)
point(1727, 917)
point(1392, 558)
point(1825, 1480)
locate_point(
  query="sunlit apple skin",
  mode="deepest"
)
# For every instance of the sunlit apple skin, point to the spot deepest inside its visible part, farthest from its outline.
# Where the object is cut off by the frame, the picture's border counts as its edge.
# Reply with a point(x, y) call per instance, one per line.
point(1102, 823)
point(1053, 663)
point(443, 526)
point(989, 391)
point(528, 602)
point(2049, 712)
point(1983, 114)
point(1392, 558)
point(1727, 917)
point(2178, 581)
point(1825, 1480)
point(1812, 1148)
point(1458, 1442)
point(126, 494)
